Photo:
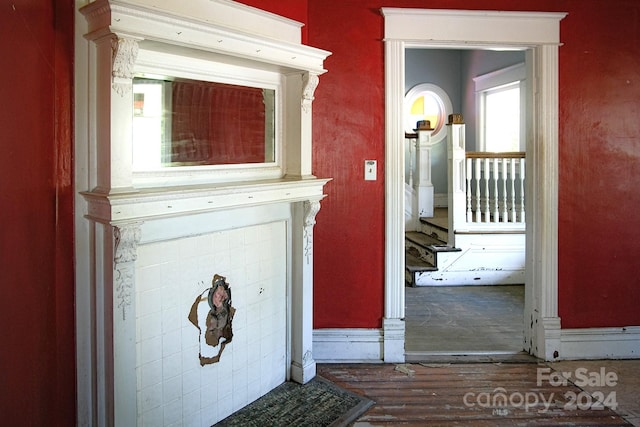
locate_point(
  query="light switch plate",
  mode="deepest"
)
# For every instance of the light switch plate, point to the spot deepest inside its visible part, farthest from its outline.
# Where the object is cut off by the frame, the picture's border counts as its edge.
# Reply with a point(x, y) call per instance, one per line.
point(370, 170)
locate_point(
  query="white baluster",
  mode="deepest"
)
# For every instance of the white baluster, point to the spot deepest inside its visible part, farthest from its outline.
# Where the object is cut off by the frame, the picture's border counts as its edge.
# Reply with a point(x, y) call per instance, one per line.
point(487, 204)
point(469, 176)
point(411, 161)
point(478, 194)
point(522, 168)
point(496, 199)
point(513, 189)
point(505, 213)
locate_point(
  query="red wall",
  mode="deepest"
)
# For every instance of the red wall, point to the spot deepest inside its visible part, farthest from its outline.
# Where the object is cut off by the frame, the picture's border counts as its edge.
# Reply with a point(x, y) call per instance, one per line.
point(599, 154)
point(37, 369)
point(599, 206)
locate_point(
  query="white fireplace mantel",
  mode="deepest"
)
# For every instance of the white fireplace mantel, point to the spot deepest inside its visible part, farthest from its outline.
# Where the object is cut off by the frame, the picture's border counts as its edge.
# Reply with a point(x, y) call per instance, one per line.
point(124, 210)
point(148, 204)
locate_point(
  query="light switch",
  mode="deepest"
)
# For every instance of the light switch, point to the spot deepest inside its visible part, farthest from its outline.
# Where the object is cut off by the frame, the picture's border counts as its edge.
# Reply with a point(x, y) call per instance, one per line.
point(370, 170)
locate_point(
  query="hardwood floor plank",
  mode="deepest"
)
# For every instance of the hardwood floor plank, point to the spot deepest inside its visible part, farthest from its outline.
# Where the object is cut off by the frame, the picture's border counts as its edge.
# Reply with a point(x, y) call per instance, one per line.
point(476, 394)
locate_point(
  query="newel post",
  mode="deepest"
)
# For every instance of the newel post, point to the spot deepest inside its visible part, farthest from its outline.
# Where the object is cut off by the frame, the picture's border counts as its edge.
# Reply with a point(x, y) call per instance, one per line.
point(422, 183)
point(457, 178)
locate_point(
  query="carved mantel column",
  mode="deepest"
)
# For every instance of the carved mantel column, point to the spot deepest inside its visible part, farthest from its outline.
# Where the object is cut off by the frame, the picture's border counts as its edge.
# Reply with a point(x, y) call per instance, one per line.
point(303, 365)
point(126, 240)
point(311, 209)
point(125, 252)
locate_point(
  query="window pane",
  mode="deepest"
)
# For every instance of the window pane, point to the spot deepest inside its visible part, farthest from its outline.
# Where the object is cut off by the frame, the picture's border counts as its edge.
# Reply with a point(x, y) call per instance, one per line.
point(427, 106)
point(502, 119)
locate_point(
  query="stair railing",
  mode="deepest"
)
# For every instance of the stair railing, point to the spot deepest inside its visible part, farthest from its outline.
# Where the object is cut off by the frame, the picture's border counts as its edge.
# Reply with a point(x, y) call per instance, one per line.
point(486, 190)
point(495, 187)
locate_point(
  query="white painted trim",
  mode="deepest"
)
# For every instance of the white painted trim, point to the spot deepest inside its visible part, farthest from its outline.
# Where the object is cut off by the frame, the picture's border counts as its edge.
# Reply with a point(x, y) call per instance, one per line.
point(472, 28)
point(500, 77)
point(394, 180)
point(393, 334)
point(348, 345)
point(353, 345)
point(230, 14)
point(600, 343)
point(540, 33)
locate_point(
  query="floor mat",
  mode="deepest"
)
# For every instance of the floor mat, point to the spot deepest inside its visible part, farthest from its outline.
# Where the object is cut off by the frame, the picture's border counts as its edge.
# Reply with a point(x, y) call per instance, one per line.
point(318, 403)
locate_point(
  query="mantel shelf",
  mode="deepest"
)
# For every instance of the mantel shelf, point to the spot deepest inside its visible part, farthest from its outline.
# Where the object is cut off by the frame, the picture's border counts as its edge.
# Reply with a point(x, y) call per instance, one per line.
point(150, 203)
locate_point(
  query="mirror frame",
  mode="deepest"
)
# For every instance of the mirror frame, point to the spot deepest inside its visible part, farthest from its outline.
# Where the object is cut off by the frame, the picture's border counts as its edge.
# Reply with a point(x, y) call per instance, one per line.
point(160, 65)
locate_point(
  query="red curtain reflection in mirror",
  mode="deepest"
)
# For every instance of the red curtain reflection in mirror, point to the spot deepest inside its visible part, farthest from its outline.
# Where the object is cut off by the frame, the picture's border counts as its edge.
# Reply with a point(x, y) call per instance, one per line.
point(216, 123)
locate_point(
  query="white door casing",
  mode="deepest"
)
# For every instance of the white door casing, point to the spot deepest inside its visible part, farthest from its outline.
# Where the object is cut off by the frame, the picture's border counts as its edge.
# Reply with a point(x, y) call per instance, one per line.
point(539, 33)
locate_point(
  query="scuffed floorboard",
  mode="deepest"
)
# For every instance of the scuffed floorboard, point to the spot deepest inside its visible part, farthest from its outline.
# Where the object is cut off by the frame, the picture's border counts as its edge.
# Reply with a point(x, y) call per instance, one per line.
point(469, 394)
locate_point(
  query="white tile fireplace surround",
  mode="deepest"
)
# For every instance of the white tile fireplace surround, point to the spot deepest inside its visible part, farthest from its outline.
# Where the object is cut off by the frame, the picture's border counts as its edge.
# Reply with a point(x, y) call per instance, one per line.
point(172, 385)
point(151, 239)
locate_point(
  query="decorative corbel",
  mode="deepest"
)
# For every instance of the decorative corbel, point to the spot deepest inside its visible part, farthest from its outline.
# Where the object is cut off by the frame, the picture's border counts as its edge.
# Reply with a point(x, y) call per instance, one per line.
point(125, 52)
point(126, 239)
point(311, 209)
point(309, 84)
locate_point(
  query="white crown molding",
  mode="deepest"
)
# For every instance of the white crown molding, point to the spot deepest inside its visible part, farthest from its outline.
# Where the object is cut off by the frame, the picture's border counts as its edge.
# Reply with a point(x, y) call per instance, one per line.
point(147, 22)
point(472, 28)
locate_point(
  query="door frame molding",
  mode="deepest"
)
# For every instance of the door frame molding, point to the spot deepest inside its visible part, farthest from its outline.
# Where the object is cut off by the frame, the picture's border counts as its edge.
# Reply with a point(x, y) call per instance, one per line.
point(539, 34)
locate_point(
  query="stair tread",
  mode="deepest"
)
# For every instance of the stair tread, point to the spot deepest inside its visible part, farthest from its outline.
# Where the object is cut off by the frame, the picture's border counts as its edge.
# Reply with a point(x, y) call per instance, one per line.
point(438, 222)
point(430, 242)
point(414, 264)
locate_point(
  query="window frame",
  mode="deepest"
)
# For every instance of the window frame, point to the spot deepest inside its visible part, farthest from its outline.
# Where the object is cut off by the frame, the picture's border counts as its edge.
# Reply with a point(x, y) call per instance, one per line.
point(491, 82)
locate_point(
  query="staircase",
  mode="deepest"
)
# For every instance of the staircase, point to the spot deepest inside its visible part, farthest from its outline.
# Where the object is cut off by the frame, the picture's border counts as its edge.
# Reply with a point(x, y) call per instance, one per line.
point(488, 257)
point(425, 247)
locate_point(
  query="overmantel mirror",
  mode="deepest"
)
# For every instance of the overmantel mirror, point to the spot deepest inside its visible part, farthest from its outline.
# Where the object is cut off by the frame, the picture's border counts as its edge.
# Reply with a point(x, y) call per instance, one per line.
point(202, 118)
point(183, 122)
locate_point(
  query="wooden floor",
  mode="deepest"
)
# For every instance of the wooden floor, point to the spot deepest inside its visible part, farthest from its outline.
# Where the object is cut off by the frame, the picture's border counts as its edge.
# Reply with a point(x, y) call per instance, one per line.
point(450, 329)
point(465, 394)
point(463, 320)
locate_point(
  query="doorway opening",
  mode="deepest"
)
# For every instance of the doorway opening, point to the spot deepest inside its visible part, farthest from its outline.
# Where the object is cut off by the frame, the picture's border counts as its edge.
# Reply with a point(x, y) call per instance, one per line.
point(441, 316)
point(539, 33)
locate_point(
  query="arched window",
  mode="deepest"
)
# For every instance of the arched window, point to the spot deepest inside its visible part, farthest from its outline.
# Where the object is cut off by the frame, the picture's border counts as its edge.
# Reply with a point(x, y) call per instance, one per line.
point(427, 101)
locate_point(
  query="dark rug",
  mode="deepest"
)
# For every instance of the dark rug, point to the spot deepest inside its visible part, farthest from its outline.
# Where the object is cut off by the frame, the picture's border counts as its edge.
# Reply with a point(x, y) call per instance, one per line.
point(318, 403)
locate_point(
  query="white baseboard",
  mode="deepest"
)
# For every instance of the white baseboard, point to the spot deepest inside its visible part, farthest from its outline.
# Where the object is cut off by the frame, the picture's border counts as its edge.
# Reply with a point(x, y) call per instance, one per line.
point(348, 345)
point(600, 343)
point(367, 345)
